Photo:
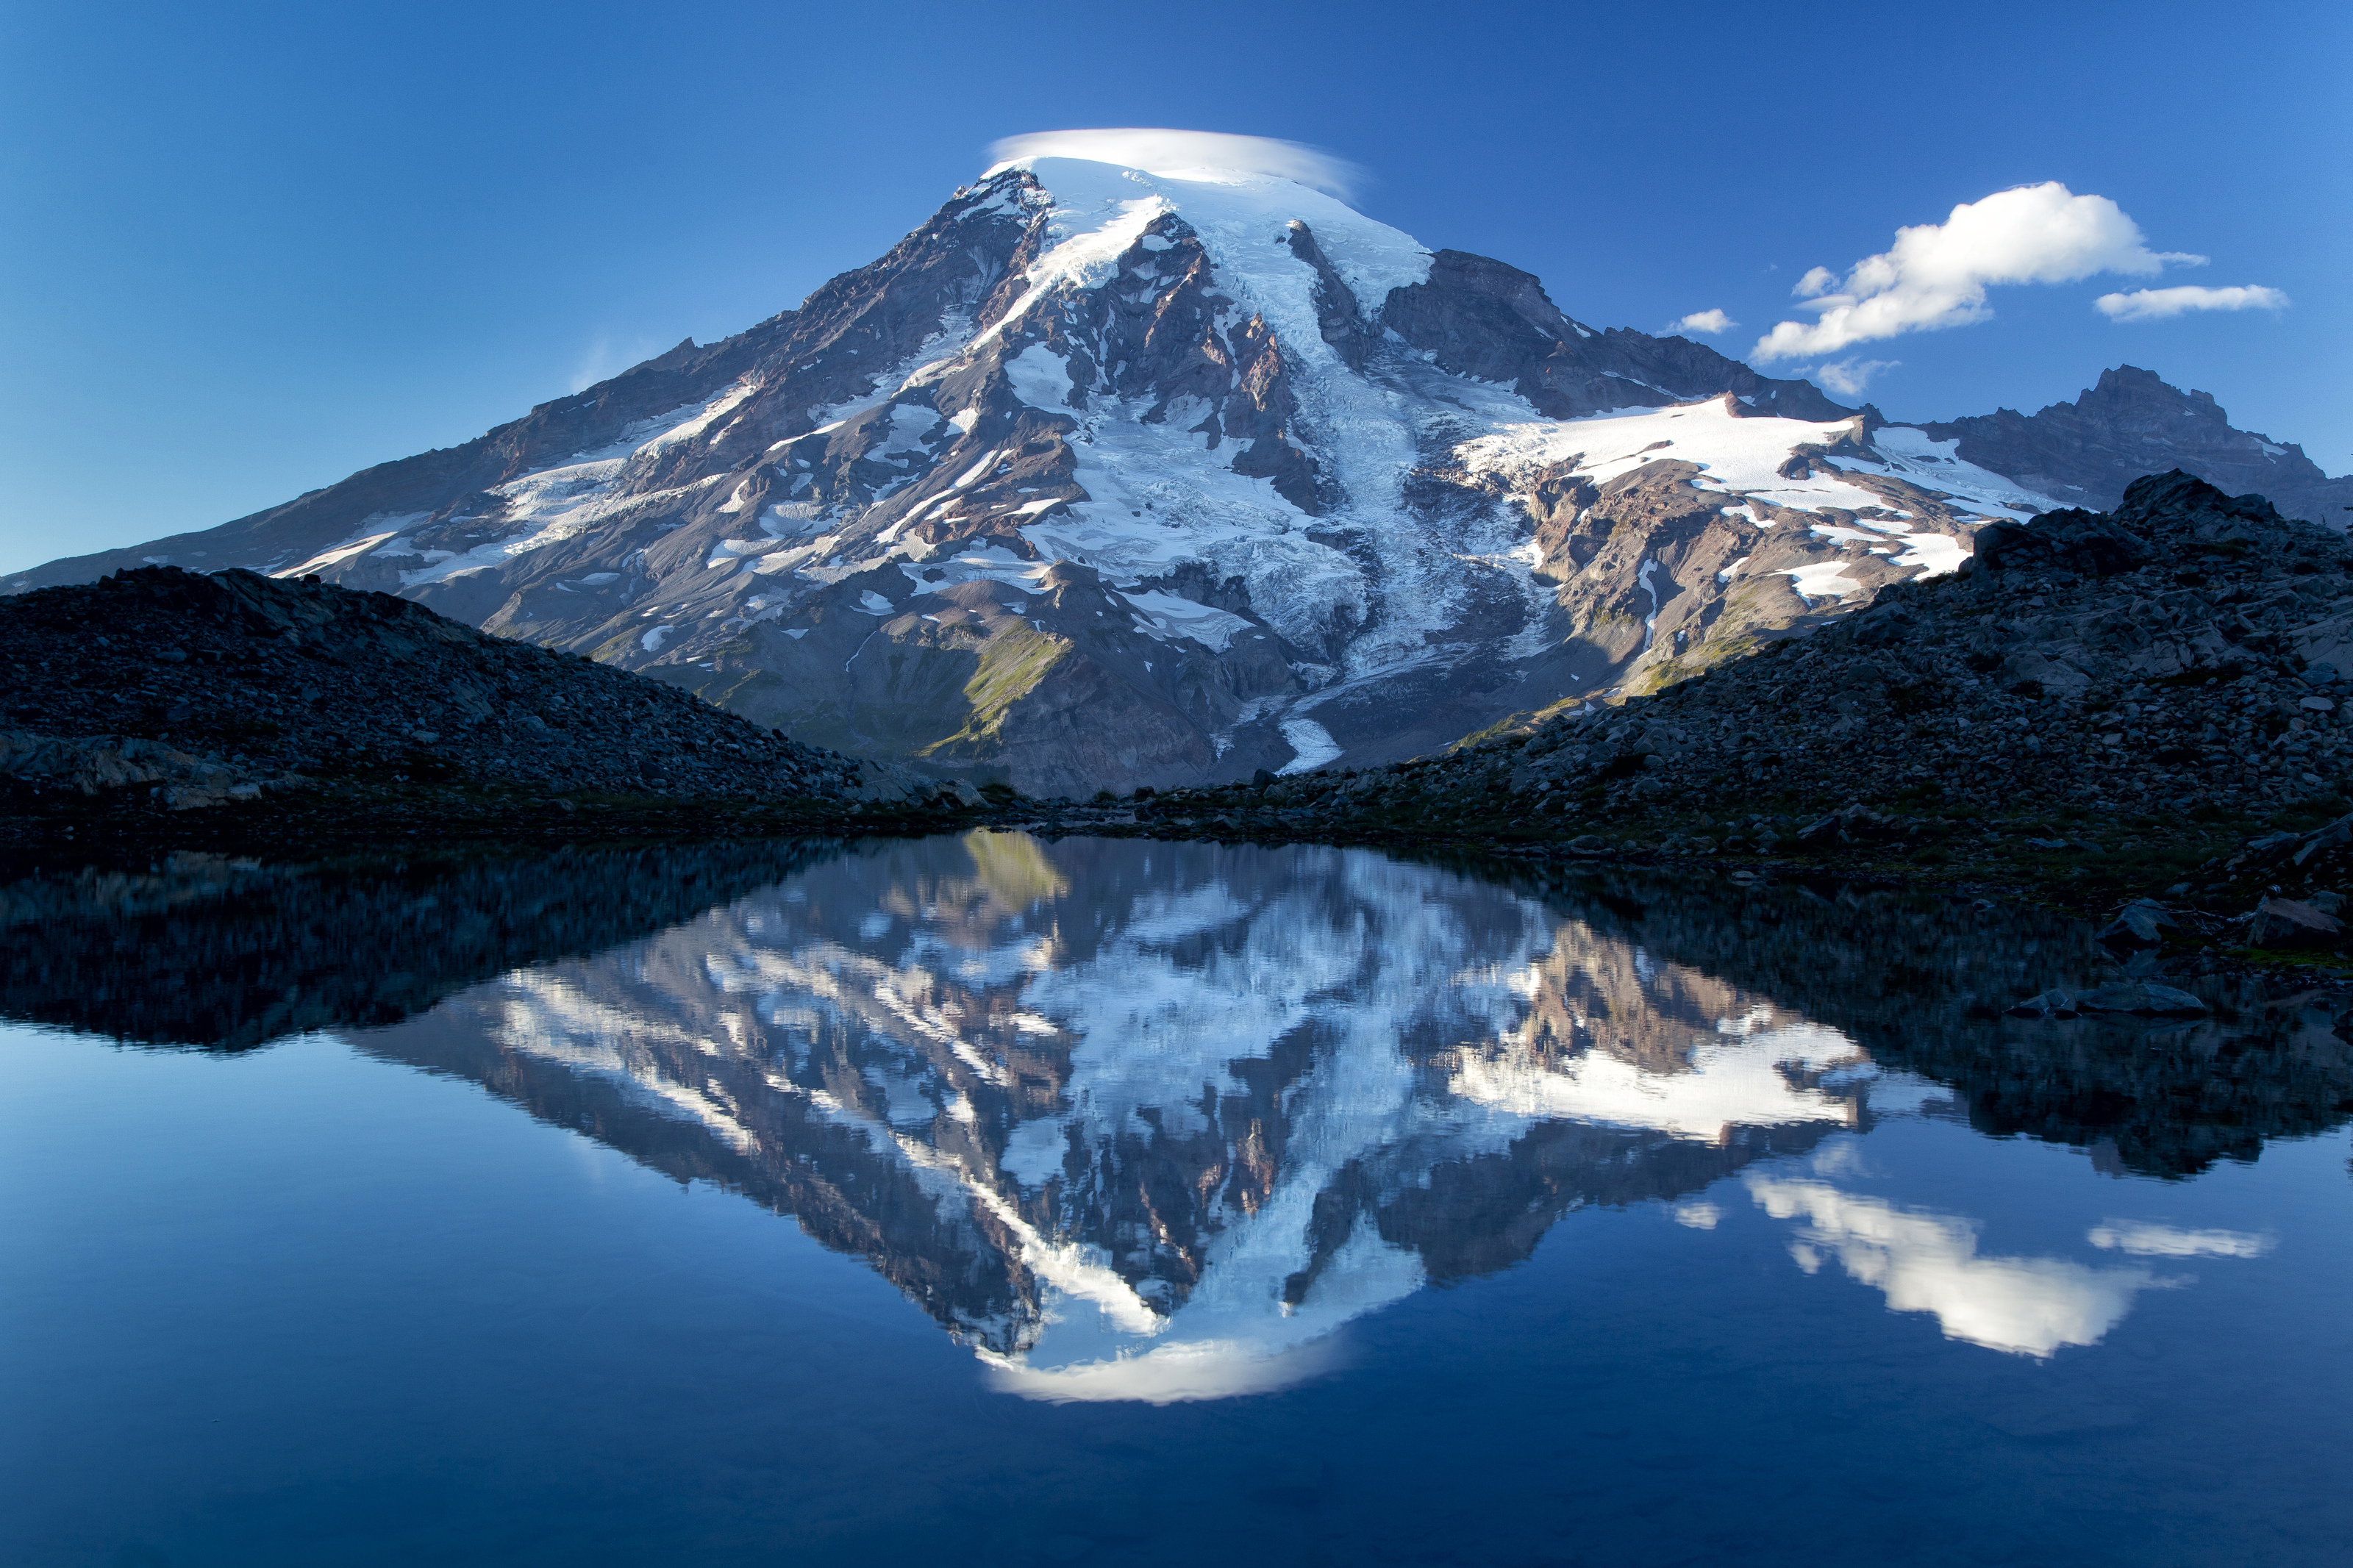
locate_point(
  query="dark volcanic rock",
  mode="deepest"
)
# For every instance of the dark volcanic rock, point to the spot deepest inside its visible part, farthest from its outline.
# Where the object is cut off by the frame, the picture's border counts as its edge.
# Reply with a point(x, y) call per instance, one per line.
point(2071, 541)
point(209, 689)
point(1483, 318)
point(2284, 922)
point(2151, 657)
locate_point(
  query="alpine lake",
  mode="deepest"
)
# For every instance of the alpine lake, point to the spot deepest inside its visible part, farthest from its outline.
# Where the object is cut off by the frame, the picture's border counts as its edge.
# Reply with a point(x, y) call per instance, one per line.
point(999, 1199)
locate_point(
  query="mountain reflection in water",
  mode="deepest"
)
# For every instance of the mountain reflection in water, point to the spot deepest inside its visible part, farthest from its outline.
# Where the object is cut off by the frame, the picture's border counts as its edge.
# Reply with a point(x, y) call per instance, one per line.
point(1151, 1122)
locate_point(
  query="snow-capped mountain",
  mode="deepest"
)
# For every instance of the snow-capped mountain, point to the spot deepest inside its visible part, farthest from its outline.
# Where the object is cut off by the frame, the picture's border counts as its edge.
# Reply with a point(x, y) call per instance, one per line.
point(1106, 477)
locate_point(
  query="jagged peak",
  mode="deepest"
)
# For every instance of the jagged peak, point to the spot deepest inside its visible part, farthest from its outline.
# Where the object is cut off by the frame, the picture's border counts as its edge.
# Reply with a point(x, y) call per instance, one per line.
point(2129, 382)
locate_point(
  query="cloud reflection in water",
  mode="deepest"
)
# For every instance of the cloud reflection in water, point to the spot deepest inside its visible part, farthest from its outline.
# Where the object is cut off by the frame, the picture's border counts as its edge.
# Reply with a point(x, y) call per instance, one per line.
point(1929, 1263)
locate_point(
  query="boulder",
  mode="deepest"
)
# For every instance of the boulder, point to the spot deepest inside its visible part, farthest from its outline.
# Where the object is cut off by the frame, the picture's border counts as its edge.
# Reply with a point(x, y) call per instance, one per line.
point(1851, 823)
point(2049, 1004)
point(2285, 923)
point(89, 764)
point(2142, 923)
point(2143, 997)
point(2070, 540)
point(1885, 624)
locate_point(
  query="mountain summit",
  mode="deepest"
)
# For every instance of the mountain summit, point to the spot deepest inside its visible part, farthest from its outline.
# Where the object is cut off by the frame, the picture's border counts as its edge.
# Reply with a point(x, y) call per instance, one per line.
point(1105, 476)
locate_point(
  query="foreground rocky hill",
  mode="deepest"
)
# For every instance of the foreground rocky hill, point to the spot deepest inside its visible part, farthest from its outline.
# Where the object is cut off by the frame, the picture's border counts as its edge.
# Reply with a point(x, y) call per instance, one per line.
point(2184, 660)
point(2188, 650)
point(166, 689)
point(1107, 477)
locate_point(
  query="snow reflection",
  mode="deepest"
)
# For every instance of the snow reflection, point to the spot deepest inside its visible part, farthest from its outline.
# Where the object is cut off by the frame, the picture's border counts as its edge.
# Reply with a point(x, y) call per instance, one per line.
point(1154, 1121)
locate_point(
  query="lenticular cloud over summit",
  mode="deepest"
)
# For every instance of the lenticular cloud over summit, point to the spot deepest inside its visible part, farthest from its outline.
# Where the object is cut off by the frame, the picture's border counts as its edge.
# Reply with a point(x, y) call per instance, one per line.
point(1162, 152)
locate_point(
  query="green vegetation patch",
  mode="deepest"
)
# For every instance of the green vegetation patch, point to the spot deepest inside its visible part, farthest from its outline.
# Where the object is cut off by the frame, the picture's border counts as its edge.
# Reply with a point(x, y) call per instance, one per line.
point(1011, 666)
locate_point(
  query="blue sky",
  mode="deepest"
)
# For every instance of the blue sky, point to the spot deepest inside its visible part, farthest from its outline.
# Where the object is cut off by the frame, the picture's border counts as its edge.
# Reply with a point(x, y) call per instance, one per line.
point(248, 250)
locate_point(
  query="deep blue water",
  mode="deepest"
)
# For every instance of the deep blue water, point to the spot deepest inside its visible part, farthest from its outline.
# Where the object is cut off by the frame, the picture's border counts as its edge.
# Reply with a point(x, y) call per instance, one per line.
point(1132, 1203)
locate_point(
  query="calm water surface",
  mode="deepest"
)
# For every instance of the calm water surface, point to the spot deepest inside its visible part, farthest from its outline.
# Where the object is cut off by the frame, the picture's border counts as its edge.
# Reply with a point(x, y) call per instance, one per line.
point(1131, 1203)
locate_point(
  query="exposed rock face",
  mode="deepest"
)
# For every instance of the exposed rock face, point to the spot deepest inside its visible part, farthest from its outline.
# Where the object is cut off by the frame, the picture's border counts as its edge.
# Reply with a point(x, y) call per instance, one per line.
point(2131, 423)
point(2190, 650)
point(1478, 317)
point(198, 690)
point(1103, 479)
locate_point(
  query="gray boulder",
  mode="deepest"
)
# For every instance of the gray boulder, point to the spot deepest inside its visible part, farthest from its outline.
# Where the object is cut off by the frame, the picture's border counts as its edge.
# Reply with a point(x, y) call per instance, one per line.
point(2142, 923)
point(2072, 540)
point(2049, 1004)
point(2145, 997)
point(2286, 923)
point(1853, 823)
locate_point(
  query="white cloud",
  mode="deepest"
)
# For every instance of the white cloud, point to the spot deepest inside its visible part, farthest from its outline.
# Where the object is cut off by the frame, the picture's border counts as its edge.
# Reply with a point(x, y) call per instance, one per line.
point(1173, 153)
point(1704, 321)
point(1935, 275)
point(1847, 377)
point(2155, 304)
point(2143, 1239)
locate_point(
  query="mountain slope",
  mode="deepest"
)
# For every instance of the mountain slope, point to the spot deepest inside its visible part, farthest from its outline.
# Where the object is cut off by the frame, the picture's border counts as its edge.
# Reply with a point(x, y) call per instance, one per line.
point(1103, 478)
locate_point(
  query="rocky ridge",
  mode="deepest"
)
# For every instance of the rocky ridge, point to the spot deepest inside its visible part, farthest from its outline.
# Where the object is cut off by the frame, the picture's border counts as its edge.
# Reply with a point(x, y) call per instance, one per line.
point(194, 949)
point(2091, 688)
point(2086, 452)
point(2190, 650)
point(173, 690)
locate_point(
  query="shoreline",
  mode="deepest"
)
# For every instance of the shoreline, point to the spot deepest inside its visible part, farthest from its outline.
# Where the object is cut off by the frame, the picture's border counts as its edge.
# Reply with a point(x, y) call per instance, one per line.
point(2045, 861)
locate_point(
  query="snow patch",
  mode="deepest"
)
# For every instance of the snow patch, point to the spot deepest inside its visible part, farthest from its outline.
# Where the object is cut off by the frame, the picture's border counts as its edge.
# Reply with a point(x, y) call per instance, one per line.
point(1935, 553)
point(327, 558)
point(1169, 616)
point(1312, 742)
point(1740, 456)
point(1910, 455)
point(1823, 580)
point(1040, 378)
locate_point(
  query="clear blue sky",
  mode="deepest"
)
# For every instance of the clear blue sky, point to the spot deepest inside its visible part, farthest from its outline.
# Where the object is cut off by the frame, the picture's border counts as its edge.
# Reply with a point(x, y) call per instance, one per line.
point(248, 249)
